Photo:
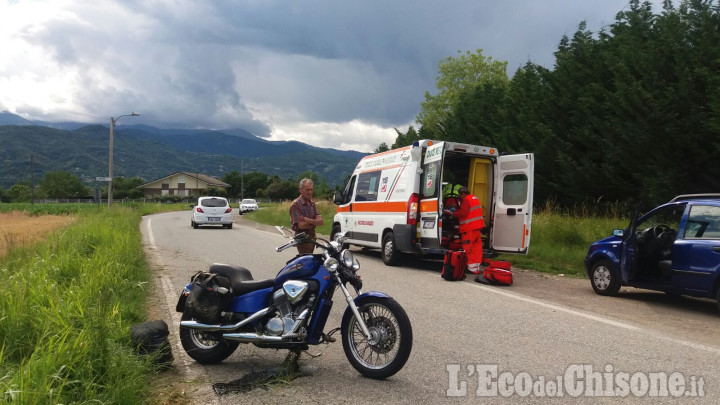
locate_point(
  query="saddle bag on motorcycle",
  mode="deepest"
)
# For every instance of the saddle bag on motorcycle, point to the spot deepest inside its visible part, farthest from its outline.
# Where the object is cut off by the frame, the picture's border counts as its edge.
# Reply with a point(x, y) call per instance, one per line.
point(454, 265)
point(209, 294)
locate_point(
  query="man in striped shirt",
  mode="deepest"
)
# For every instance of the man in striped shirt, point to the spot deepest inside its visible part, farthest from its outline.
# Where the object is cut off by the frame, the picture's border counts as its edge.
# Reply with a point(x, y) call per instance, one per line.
point(304, 216)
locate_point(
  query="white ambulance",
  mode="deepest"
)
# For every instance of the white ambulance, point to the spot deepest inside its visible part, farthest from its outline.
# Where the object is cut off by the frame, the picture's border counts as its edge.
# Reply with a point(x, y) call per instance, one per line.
point(394, 200)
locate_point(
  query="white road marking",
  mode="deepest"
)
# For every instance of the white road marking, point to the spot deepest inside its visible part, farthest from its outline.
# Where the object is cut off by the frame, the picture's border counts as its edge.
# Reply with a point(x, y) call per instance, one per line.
point(596, 318)
point(170, 292)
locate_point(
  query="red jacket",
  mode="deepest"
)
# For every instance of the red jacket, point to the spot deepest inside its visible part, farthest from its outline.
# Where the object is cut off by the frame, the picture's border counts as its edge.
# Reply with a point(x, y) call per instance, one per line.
point(470, 214)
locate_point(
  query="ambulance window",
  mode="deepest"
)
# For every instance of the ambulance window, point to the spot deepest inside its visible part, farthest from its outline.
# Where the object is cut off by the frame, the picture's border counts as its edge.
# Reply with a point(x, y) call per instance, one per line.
point(367, 189)
point(515, 187)
point(431, 179)
point(347, 194)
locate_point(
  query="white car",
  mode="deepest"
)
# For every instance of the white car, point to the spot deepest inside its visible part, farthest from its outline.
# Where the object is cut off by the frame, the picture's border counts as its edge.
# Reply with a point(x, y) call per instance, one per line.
point(212, 211)
point(248, 204)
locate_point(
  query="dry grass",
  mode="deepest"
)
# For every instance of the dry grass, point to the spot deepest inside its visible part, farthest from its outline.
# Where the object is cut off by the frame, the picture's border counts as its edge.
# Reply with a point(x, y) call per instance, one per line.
point(19, 229)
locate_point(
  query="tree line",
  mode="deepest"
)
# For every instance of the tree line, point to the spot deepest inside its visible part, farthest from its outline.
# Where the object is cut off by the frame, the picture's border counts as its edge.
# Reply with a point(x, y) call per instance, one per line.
point(629, 114)
point(65, 185)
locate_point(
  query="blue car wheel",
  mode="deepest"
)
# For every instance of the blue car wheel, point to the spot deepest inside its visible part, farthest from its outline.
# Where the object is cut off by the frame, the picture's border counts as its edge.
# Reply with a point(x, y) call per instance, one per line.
point(603, 278)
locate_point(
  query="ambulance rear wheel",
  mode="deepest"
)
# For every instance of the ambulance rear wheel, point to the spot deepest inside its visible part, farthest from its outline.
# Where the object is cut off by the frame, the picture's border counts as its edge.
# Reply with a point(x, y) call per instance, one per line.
point(389, 253)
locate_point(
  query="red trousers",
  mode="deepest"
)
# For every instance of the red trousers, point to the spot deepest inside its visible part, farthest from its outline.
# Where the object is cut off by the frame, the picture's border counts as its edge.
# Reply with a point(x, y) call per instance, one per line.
point(472, 244)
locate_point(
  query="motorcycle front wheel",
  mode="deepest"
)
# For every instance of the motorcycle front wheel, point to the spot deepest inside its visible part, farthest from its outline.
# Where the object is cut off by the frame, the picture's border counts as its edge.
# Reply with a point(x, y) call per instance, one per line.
point(205, 347)
point(390, 343)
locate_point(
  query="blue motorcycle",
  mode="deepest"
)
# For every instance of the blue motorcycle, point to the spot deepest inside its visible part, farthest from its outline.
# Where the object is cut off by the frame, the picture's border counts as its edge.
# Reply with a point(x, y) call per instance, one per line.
point(225, 306)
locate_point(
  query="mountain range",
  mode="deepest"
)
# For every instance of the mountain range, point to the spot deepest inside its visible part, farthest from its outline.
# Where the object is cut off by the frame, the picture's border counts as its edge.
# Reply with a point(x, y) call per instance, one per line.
point(31, 148)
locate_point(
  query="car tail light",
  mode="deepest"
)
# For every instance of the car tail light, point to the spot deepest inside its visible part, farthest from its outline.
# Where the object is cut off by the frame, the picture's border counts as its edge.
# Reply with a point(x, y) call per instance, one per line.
point(198, 209)
point(412, 211)
point(229, 210)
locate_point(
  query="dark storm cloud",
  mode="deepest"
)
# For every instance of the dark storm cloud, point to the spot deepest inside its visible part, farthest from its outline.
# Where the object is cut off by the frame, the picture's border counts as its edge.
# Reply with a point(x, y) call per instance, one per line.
point(267, 65)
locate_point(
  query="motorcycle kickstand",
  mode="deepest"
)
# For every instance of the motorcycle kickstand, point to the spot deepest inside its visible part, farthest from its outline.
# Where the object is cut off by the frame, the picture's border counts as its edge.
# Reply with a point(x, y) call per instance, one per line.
point(291, 362)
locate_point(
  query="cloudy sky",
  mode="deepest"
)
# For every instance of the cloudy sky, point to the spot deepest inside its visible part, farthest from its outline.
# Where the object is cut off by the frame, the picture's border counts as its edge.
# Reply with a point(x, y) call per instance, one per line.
point(331, 73)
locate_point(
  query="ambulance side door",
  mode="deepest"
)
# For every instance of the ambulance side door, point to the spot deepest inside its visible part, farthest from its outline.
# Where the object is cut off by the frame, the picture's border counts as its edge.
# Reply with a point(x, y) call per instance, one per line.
point(513, 201)
point(430, 192)
point(345, 208)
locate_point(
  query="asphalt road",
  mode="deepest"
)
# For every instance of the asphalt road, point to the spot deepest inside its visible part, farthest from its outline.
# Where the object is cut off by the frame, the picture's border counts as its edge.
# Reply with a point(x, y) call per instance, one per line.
point(472, 343)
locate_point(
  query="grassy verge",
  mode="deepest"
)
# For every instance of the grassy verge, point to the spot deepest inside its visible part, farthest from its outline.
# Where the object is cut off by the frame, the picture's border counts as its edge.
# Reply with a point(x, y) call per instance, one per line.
point(279, 214)
point(559, 240)
point(67, 305)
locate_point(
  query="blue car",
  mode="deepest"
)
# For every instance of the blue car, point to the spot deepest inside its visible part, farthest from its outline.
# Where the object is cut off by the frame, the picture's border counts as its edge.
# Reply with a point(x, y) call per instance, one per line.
point(674, 248)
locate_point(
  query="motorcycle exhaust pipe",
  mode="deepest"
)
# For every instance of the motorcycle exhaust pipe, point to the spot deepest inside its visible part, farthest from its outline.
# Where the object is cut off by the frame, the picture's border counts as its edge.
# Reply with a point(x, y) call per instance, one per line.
point(209, 328)
point(252, 338)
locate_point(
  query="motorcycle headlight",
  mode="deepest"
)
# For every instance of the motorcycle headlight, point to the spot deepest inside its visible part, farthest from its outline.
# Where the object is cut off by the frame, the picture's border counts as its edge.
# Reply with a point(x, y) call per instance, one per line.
point(356, 265)
point(347, 258)
point(331, 265)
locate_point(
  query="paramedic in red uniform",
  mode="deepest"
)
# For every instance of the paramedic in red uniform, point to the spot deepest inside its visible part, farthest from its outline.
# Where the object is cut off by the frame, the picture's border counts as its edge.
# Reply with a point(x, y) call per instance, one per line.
point(471, 221)
point(304, 216)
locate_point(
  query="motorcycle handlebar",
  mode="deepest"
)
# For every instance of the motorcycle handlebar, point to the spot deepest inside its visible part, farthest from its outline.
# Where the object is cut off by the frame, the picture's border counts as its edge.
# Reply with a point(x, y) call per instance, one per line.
point(285, 246)
point(297, 242)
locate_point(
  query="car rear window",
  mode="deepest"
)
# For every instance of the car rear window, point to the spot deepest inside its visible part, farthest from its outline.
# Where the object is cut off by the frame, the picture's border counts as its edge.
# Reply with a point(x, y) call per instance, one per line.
point(703, 222)
point(214, 202)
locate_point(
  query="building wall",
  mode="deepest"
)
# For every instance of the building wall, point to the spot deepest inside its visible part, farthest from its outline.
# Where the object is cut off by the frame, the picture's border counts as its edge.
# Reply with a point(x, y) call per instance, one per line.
point(171, 186)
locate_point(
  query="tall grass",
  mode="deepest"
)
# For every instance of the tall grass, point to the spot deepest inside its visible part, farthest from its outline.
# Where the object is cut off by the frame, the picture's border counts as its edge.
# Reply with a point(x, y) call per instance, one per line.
point(560, 237)
point(66, 306)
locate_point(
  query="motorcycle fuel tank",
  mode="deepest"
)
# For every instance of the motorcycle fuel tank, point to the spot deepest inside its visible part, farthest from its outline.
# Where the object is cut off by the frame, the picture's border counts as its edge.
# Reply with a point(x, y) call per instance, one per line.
point(300, 267)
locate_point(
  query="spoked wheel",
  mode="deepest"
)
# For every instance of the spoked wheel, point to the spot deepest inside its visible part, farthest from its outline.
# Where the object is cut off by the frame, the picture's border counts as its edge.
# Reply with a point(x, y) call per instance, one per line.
point(205, 347)
point(390, 343)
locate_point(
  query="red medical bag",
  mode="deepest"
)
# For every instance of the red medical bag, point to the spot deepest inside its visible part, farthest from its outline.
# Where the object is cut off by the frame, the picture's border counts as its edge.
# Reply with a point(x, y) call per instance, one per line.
point(498, 275)
point(454, 265)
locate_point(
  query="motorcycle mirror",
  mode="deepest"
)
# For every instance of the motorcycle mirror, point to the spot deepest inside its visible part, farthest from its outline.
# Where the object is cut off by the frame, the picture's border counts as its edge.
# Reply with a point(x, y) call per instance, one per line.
point(282, 230)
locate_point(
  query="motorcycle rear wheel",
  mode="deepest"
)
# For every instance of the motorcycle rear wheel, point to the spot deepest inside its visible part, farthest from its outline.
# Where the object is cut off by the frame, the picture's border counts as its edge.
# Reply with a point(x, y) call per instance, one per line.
point(391, 342)
point(205, 347)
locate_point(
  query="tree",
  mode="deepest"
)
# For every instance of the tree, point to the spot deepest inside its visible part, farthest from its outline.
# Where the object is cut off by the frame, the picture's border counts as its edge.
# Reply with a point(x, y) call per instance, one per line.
point(127, 187)
point(308, 174)
point(322, 190)
point(455, 76)
point(255, 181)
point(19, 193)
point(214, 191)
point(382, 147)
point(282, 190)
point(63, 184)
point(405, 139)
point(235, 180)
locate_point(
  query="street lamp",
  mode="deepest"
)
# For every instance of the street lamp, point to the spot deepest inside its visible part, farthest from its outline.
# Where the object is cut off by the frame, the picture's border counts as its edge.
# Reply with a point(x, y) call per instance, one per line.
point(110, 162)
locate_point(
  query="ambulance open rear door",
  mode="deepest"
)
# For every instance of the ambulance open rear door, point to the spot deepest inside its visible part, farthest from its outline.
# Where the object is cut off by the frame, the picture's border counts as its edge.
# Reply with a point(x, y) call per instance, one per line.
point(513, 203)
point(430, 194)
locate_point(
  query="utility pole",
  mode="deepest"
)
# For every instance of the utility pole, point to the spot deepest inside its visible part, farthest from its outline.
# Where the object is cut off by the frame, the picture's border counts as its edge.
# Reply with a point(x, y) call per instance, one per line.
point(32, 181)
point(242, 181)
point(110, 160)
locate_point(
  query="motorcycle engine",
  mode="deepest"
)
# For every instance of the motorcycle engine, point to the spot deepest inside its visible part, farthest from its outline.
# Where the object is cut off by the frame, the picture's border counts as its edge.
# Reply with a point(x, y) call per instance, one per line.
point(289, 304)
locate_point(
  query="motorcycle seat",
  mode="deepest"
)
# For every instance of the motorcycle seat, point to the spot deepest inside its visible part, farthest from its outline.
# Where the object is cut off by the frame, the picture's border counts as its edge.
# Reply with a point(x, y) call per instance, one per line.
point(240, 278)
